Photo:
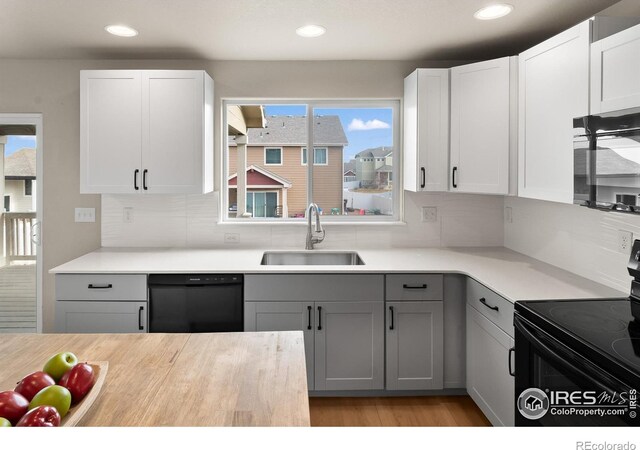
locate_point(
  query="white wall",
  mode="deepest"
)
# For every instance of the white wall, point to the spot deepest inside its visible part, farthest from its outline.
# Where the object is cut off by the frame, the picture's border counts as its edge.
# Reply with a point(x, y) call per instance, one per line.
point(19, 201)
point(574, 238)
point(192, 221)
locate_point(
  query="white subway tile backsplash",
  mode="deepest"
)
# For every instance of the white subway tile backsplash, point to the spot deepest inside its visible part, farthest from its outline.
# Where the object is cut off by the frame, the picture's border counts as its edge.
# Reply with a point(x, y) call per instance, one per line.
point(575, 238)
point(193, 221)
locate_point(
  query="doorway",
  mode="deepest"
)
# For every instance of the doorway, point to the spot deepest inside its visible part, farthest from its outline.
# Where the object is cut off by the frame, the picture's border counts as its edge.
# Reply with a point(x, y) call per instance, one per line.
point(21, 223)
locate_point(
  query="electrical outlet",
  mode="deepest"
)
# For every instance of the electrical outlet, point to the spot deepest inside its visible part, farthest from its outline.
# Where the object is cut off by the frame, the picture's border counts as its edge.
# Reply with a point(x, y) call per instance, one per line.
point(508, 214)
point(85, 214)
point(625, 240)
point(231, 238)
point(127, 214)
point(429, 213)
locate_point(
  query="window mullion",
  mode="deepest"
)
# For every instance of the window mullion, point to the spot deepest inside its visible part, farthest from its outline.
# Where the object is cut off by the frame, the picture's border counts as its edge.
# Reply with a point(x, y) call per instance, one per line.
point(310, 159)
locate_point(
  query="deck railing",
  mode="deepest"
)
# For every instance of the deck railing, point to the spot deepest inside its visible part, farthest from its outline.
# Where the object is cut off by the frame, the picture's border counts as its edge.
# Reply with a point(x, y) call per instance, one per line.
point(18, 227)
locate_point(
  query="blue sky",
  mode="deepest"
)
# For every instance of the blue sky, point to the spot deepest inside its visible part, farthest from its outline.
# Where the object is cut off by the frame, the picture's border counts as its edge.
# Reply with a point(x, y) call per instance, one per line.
point(364, 127)
point(15, 143)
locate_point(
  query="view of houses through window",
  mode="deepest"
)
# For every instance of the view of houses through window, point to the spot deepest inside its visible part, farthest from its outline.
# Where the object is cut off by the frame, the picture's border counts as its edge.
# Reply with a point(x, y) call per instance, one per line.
point(267, 161)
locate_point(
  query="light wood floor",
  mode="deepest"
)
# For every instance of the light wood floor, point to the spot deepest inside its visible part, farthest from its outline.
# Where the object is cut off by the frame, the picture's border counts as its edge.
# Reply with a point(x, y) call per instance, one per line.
point(18, 299)
point(395, 412)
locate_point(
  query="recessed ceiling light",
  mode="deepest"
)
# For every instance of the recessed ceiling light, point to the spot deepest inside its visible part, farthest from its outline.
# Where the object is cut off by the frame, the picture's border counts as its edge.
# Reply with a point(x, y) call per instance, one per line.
point(311, 31)
point(121, 30)
point(493, 11)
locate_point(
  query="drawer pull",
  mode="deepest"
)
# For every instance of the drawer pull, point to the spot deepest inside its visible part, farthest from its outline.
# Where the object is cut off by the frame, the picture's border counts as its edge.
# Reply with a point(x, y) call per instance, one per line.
point(309, 309)
point(391, 311)
point(100, 286)
point(484, 302)
point(140, 326)
point(512, 350)
point(406, 286)
point(319, 317)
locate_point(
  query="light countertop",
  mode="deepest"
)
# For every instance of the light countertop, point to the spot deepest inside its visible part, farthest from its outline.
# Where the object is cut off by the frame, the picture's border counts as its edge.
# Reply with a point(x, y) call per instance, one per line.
point(510, 274)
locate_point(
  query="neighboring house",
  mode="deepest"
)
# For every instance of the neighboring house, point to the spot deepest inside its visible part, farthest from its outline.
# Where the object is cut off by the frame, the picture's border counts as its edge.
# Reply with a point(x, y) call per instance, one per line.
point(374, 167)
point(350, 171)
point(19, 181)
point(277, 166)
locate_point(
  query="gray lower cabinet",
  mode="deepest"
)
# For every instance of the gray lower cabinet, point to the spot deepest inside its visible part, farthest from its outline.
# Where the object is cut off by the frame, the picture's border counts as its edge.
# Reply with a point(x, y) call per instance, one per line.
point(488, 380)
point(414, 345)
point(349, 345)
point(101, 317)
point(284, 316)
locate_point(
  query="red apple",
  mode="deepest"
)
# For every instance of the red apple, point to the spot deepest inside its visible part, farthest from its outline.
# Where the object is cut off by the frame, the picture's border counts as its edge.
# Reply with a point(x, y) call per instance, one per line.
point(42, 416)
point(33, 383)
point(12, 406)
point(79, 380)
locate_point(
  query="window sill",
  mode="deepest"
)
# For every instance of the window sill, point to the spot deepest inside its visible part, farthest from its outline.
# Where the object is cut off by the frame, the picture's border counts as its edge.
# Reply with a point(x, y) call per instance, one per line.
point(303, 223)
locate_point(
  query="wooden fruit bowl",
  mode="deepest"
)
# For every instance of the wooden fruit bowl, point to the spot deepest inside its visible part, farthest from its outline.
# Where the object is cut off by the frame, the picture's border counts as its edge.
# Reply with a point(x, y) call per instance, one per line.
point(77, 411)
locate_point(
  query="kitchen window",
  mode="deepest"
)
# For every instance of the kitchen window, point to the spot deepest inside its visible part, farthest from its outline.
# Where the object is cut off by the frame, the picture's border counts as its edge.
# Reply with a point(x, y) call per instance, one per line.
point(356, 155)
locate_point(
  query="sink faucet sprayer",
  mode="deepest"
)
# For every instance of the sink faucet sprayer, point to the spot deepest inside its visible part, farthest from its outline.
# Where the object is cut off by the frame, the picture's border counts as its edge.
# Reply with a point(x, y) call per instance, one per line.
point(312, 238)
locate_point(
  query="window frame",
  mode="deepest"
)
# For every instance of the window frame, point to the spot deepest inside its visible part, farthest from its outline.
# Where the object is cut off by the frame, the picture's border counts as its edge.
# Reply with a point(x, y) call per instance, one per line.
point(303, 150)
point(30, 187)
point(273, 148)
point(311, 104)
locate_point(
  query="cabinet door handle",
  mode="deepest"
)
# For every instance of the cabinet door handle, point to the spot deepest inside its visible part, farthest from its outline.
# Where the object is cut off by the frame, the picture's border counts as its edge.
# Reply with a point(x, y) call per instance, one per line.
point(424, 177)
point(309, 309)
point(140, 311)
point(319, 317)
point(512, 350)
point(144, 179)
point(454, 183)
point(484, 302)
point(391, 311)
point(406, 286)
point(135, 179)
point(100, 286)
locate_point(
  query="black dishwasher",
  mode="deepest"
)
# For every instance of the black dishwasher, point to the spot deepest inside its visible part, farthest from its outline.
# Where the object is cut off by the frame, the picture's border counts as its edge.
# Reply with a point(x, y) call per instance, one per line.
point(199, 303)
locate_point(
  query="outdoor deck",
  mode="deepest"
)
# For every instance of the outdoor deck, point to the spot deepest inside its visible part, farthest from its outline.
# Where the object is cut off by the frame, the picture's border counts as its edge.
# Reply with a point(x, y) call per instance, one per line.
point(18, 299)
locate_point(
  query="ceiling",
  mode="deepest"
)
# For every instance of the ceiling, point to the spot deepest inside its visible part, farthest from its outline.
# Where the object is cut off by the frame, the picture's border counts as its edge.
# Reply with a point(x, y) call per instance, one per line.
point(265, 29)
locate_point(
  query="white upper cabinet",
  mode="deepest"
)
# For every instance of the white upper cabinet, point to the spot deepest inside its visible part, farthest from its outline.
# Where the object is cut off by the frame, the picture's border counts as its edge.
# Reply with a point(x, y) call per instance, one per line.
point(615, 72)
point(146, 131)
point(426, 130)
point(481, 126)
point(553, 90)
point(110, 130)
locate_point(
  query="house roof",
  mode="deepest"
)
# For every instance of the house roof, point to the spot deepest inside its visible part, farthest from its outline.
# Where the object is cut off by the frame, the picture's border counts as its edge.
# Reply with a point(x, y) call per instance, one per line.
point(292, 130)
point(609, 163)
point(377, 152)
point(258, 176)
point(21, 164)
point(350, 166)
point(385, 168)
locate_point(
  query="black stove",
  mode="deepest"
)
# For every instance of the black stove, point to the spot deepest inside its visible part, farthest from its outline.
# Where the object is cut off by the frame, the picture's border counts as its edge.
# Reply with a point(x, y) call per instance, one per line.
point(603, 330)
point(577, 362)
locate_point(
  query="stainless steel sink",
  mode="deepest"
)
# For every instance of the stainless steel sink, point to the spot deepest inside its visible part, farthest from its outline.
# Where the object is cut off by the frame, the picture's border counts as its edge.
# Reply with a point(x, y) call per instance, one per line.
point(311, 258)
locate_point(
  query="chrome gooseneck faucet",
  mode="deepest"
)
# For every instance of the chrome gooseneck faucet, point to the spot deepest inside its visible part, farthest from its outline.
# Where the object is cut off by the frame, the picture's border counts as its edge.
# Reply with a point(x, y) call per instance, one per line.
point(316, 235)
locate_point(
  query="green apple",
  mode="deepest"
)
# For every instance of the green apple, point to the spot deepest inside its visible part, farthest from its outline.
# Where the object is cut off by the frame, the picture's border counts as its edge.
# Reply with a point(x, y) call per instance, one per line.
point(59, 364)
point(4, 422)
point(56, 396)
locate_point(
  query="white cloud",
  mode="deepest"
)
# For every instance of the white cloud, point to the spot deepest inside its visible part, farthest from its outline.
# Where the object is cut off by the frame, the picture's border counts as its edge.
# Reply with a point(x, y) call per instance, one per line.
point(360, 125)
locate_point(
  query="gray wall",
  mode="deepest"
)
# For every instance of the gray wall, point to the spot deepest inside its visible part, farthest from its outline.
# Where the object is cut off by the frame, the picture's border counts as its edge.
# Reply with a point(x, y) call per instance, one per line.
point(51, 87)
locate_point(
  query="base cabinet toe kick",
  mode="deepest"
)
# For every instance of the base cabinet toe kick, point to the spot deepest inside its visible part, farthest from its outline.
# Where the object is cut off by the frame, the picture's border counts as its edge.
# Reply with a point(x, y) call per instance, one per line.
point(374, 334)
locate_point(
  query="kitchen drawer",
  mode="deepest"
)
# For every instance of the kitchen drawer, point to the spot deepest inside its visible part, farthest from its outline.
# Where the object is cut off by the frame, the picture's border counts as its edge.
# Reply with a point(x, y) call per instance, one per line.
point(313, 287)
point(101, 287)
point(495, 308)
point(414, 287)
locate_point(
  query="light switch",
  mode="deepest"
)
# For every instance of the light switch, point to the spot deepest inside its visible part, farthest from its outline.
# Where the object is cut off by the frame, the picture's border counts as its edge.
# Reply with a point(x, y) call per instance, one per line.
point(85, 214)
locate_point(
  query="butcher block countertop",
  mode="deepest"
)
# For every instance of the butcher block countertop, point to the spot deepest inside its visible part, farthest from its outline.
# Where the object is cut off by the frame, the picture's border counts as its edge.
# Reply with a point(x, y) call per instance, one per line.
point(221, 379)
